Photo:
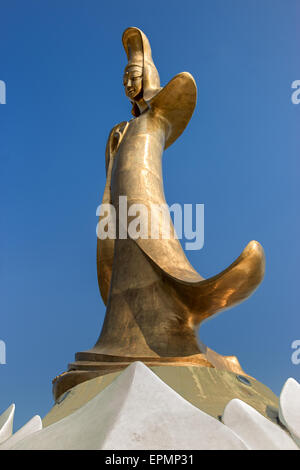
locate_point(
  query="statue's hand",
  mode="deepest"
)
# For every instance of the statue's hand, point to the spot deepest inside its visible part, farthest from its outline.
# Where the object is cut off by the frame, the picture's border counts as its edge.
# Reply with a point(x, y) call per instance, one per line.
point(115, 137)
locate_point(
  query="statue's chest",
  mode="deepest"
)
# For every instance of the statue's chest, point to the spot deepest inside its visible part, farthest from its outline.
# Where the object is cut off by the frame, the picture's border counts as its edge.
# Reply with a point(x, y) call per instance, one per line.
point(140, 146)
point(137, 165)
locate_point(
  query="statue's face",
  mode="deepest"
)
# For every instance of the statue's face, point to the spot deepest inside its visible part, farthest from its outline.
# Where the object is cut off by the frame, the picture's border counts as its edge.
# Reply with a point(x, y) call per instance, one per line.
point(133, 81)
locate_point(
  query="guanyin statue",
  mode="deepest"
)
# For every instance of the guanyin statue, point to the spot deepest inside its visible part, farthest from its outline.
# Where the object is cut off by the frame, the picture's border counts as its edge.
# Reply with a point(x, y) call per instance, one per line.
point(155, 299)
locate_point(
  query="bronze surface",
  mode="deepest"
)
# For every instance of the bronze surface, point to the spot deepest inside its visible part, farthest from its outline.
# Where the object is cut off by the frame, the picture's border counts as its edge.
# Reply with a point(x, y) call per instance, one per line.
point(155, 299)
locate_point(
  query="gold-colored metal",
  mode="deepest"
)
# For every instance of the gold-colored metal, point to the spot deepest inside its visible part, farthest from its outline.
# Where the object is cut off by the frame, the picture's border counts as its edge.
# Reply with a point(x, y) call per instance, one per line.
point(155, 299)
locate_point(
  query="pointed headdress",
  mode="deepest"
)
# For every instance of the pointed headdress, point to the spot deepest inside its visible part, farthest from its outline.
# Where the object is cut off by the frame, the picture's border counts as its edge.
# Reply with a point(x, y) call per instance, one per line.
point(138, 51)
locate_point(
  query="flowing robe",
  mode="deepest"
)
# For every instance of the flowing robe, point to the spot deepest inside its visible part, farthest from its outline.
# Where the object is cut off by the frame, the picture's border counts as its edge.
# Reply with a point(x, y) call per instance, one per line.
point(155, 299)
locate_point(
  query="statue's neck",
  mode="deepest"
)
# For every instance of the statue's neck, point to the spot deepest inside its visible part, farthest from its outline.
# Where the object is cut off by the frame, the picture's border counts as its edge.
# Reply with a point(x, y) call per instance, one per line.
point(142, 105)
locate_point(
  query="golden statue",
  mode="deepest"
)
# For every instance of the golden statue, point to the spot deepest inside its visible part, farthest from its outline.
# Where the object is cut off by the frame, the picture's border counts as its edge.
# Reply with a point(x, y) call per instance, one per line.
point(155, 299)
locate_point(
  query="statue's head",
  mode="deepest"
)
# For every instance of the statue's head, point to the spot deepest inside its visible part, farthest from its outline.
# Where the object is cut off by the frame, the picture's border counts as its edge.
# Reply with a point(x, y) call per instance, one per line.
point(141, 79)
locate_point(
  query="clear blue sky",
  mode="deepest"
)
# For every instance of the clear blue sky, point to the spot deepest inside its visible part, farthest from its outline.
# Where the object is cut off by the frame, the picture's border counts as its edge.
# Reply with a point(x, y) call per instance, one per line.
point(63, 62)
